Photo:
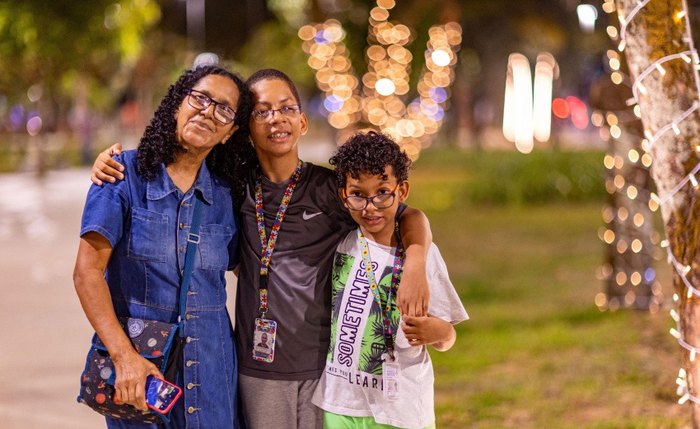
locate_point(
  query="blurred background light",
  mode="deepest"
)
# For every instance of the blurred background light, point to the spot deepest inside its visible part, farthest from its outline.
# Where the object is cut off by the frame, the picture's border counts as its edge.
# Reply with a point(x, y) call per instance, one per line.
point(587, 16)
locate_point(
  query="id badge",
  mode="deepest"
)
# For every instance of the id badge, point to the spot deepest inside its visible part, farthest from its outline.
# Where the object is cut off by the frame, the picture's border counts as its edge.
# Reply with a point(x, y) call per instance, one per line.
point(264, 340)
point(390, 377)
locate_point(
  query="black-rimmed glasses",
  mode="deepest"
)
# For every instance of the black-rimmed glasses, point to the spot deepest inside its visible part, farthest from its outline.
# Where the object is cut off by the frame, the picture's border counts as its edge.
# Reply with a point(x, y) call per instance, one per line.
point(262, 115)
point(380, 201)
point(201, 101)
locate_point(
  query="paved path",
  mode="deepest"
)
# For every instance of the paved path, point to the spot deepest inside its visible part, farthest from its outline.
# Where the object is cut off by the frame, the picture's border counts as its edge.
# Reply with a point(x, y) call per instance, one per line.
point(44, 334)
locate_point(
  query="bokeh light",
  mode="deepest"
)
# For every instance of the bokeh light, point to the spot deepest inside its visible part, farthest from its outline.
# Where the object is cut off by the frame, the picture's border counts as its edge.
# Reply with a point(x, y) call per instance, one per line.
point(375, 98)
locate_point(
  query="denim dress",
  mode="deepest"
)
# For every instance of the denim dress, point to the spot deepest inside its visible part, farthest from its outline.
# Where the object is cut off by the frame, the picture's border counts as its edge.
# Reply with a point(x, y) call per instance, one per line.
point(147, 224)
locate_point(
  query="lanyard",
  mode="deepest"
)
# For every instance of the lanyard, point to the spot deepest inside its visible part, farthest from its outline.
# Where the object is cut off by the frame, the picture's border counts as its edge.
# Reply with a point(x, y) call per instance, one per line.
point(396, 272)
point(268, 245)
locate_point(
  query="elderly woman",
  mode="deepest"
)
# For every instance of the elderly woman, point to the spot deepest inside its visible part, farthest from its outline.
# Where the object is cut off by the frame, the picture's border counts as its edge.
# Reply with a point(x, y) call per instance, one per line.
point(133, 243)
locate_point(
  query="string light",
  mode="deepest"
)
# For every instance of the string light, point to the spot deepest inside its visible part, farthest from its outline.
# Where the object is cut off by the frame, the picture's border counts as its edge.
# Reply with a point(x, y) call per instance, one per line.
point(656, 65)
point(674, 125)
point(631, 280)
point(689, 56)
point(624, 21)
point(375, 98)
point(669, 195)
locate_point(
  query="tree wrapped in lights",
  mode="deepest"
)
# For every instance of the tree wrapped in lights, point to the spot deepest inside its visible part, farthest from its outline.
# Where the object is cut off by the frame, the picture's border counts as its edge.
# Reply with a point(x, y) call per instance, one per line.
point(656, 39)
point(628, 273)
point(376, 99)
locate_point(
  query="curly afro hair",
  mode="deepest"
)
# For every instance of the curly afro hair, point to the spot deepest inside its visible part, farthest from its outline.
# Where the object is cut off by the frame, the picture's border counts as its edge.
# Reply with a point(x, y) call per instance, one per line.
point(369, 153)
point(159, 143)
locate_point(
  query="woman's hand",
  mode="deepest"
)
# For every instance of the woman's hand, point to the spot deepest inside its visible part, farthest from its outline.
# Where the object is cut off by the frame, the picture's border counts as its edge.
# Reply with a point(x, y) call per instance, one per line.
point(130, 368)
point(428, 329)
point(105, 168)
point(131, 372)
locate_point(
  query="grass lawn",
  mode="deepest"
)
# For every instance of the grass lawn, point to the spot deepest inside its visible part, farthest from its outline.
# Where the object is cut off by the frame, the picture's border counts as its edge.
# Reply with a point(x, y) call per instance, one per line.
point(537, 353)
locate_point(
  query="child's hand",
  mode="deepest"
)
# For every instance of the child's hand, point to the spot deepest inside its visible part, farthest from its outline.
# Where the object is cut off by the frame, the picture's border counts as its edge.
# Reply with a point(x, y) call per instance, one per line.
point(428, 330)
point(105, 168)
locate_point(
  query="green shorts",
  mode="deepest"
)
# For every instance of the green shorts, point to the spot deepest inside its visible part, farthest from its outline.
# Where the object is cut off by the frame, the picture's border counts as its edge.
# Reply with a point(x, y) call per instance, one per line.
point(337, 421)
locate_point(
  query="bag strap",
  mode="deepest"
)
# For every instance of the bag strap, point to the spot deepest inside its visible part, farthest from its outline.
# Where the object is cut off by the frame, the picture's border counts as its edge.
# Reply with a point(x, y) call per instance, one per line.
point(192, 241)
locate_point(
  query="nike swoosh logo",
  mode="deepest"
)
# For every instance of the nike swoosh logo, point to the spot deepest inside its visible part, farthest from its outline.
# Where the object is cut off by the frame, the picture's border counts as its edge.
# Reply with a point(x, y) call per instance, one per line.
point(307, 216)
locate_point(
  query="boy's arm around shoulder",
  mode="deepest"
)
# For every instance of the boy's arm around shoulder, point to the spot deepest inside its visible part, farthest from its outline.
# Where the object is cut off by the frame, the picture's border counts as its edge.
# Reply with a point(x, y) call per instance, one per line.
point(106, 169)
point(446, 309)
point(414, 294)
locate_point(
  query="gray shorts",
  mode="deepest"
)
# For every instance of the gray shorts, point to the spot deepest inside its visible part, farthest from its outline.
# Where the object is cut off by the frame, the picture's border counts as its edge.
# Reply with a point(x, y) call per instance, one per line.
point(279, 403)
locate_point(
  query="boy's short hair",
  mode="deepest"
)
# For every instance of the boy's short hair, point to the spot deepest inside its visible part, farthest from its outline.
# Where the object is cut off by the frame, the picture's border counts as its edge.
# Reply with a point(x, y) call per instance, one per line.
point(270, 74)
point(369, 153)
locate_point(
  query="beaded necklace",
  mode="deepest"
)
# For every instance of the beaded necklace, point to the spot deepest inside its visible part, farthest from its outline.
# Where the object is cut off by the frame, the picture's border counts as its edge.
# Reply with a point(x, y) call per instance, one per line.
point(268, 245)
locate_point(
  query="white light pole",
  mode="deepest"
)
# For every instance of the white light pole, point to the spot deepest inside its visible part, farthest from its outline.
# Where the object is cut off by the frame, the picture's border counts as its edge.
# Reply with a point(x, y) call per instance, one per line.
point(195, 22)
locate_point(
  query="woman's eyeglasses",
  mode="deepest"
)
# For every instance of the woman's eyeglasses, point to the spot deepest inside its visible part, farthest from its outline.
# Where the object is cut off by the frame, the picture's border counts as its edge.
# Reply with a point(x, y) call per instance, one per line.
point(380, 201)
point(202, 101)
point(262, 115)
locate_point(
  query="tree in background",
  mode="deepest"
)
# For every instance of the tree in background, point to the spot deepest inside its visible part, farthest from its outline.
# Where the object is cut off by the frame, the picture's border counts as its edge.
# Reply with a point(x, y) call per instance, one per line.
point(65, 60)
point(492, 30)
point(629, 234)
point(656, 38)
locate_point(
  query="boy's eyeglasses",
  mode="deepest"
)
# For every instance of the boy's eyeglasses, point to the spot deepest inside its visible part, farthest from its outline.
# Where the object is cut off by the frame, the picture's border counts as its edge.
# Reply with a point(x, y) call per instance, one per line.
point(380, 201)
point(263, 115)
point(202, 101)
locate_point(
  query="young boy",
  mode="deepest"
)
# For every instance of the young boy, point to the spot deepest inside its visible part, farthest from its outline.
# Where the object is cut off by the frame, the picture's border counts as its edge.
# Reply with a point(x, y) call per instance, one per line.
point(378, 375)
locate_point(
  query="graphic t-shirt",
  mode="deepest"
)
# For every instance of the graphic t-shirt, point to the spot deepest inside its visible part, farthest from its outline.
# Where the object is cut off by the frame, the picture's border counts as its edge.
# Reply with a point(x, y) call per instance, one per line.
point(299, 296)
point(352, 382)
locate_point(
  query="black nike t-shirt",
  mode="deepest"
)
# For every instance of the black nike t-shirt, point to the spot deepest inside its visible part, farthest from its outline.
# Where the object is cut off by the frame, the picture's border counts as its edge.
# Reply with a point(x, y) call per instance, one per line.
point(299, 293)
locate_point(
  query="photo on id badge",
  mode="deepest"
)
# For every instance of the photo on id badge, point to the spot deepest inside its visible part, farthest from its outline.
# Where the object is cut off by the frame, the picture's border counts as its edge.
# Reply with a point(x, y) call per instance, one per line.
point(264, 340)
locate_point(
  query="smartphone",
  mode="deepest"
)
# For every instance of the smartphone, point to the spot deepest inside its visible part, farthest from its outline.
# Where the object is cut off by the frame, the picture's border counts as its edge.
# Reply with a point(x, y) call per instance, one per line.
point(161, 395)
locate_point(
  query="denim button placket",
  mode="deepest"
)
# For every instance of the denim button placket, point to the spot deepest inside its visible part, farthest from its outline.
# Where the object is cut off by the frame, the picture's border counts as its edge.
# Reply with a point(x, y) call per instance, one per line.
point(209, 340)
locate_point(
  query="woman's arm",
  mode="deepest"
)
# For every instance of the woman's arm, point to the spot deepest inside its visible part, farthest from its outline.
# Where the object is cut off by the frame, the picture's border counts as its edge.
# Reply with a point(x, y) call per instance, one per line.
point(429, 330)
point(413, 296)
point(105, 168)
point(88, 277)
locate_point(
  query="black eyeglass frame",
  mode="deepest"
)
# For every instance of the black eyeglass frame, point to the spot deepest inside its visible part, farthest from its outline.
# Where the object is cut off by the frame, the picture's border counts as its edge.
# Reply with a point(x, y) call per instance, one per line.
point(201, 102)
point(390, 200)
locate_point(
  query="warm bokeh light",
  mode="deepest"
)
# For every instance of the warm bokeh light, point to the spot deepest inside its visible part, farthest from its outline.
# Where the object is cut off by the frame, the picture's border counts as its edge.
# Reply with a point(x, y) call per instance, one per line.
point(560, 108)
point(579, 112)
point(441, 58)
point(542, 93)
point(385, 86)
point(517, 109)
point(587, 16)
point(375, 97)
